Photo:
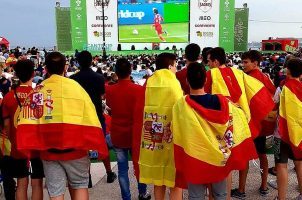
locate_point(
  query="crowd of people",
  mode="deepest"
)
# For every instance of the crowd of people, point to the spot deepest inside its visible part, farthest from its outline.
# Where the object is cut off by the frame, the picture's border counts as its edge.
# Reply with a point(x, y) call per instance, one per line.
point(188, 121)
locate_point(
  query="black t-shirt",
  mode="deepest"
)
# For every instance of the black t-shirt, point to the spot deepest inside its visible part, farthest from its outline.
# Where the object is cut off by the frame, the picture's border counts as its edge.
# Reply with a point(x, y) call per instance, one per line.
point(208, 101)
point(94, 84)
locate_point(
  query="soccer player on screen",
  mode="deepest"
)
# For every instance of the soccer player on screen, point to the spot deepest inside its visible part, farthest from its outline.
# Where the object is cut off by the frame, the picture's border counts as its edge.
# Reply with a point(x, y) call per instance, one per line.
point(157, 24)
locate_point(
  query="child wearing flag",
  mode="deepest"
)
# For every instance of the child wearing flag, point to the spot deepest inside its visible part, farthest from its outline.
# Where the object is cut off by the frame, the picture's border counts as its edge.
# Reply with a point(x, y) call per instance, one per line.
point(290, 128)
point(59, 120)
point(156, 157)
point(199, 133)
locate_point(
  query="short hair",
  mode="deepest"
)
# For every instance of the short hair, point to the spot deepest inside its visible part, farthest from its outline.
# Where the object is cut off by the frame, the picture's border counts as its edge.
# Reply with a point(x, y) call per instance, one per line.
point(205, 53)
point(55, 63)
point(253, 55)
point(123, 68)
point(192, 52)
point(85, 59)
point(24, 70)
point(155, 10)
point(196, 75)
point(218, 54)
point(295, 67)
point(164, 60)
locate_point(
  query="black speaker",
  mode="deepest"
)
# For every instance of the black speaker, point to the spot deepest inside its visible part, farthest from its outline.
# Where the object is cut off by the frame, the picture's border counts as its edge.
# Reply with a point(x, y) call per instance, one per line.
point(119, 47)
point(132, 47)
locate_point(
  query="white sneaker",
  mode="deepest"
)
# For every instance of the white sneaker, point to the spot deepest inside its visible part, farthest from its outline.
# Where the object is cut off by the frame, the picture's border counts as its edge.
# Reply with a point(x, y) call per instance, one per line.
point(273, 184)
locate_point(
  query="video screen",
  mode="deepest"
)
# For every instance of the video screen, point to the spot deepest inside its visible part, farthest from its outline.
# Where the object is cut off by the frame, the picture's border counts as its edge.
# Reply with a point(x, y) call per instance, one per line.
point(153, 21)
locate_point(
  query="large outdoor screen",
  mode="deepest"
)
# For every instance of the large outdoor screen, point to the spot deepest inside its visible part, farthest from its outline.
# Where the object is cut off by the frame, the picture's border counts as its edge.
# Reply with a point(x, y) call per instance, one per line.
point(146, 21)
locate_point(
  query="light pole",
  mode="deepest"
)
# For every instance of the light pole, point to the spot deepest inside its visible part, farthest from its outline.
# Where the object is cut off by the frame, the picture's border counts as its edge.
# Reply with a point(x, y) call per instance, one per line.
point(104, 3)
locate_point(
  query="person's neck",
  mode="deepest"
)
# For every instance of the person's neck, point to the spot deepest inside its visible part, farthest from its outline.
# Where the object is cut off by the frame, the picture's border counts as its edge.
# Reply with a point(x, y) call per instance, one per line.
point(188, 63)
point(197, 92)
point(125, 79)
point(222, 66)
point(28, 83)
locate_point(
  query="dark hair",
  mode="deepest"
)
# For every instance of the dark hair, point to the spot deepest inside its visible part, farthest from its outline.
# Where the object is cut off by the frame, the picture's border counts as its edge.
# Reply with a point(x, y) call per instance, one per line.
point(192, 52)
point(122, 68)
point(55, 63)
point(24, 70)
point(196, 75)
point(164, 60)
point(205, 53)
point(218, 54)
point(253, 55)
point(155, 11)
point(295, 67)
point(85, 59)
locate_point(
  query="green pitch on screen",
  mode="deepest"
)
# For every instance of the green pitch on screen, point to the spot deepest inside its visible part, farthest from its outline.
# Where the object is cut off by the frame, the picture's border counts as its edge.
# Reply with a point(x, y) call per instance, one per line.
point(177, 32)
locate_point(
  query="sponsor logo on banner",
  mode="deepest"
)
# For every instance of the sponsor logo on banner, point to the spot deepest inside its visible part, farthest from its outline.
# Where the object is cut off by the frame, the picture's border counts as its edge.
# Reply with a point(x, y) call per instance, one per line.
point(205, 18)
point(99, 34)
point(204, 34)
point(101, 17)
point(98, 4)
point(205, 25)
point(205, 5)
point(127, 14)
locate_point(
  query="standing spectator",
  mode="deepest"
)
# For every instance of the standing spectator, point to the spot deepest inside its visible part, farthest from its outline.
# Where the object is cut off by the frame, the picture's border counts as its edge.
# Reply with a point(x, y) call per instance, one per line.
point(192, 53)
point(94, 84)
point(289, 146)
point(62, 125)
point(17, 165)
point(156, 157)
point(122, 98)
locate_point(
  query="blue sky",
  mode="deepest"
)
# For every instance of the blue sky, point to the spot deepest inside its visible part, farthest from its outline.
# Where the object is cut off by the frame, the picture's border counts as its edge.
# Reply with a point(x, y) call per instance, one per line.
point(32, 22)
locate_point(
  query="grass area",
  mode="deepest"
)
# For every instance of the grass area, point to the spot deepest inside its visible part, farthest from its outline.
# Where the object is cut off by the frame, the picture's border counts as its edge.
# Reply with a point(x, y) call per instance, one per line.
point(177, 32)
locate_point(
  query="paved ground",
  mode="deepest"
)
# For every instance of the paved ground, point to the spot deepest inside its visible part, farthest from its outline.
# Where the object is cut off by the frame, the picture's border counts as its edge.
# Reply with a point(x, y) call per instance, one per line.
point(104, 191)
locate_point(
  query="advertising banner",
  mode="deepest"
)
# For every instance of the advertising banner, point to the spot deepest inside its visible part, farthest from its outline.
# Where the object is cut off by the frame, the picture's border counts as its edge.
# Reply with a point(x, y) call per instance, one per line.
point(78, 24)
point(129, 14)
point(241, 29)
point(63, 23)
point(204, 22)
point(95, 25)
point(226, 25)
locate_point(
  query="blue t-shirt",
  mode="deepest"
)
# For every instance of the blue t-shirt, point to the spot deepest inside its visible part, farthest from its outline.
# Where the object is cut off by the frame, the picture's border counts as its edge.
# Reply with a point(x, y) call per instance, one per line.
point(207, 101)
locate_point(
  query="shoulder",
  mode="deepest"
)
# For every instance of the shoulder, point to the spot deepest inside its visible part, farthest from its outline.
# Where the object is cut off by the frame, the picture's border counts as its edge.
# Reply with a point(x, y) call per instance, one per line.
point(8, 97)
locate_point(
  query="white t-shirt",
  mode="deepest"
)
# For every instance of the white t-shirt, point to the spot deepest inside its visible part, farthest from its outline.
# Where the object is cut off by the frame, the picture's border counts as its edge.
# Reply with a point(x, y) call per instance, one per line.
point(2, 59)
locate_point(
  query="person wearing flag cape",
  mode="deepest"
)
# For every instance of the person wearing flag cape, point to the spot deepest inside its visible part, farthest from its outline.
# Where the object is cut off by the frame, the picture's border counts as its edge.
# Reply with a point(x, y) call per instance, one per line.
point(59, 120)
point(247, 92)
point(198, 133)
point(290, 128)
point(156, 154)
point(251, 63)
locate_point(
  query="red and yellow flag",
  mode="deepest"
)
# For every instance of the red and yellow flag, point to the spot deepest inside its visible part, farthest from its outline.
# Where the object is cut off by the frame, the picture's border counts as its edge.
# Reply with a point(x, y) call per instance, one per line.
point(59, 114)
point(156, 157)
point(207, 148)
point(249, 93)
point(290, 124)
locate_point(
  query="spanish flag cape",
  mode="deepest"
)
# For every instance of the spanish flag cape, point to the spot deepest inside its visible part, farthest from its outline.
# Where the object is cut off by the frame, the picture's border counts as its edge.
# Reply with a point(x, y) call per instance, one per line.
point(156, 157)
point(59, 114)
point(249, 93)
point(209, 144)
point(290, 111)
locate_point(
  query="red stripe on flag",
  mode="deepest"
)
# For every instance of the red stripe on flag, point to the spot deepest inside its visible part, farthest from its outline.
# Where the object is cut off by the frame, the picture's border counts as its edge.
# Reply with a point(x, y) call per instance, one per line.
point(61, 136)
point(199, 172)
point(260, 106)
